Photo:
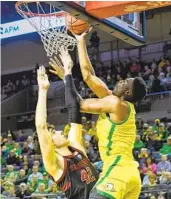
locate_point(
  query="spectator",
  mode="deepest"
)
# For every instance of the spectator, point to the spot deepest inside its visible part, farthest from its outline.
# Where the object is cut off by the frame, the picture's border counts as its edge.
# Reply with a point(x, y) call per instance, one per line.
point(9, 87)
point(149, 163)
point(166, 149)
point(53, 189)
point(156, 87)
point(147, 73)
point(156, 125)
point(3, 94)
point(164, 165)
point(21, 137)
point(40, 190)
point(25, 81)
point(26, 149)
point(94, 40)
point(152, 180)
point(135, 69)
point(168, 71)
point(94, 44)
point(98, 165)
point(30, 142)
point(109, 81)
point(10, 173)
point(26, 168)
point(11, 192)
point(2, 159)
point(37, 163)
point(163, 63)
point(145, 181)
point(83, 90)
point(150, 83)
point(33, 183)
point(165, 178)
point(10, 143)
point(93, 153)
point(13, 159)
point(4, 152)
point(92, 130)
point(154, 68)
point(142, 156)
point(84, 121)
point(163, 80)
point(18, 86)
point(118, 78)
point(22, 192)
point(149, 134)
point(35, 173)
point(5, 187)
point(17, 149)
point(138, 143)
point(139, 122)
point(154, 143)
point(21, 177)
point(46, 181)
point(145, 131)
point(163, 133)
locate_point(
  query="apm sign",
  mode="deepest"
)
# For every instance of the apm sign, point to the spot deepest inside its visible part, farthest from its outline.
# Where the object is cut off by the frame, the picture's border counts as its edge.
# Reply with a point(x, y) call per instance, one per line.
point(16, 28)
point(22, 27)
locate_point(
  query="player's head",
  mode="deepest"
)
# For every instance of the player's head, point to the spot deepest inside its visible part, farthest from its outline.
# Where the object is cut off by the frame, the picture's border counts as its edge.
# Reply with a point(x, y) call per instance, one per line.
point(131, 89)
point(58, 138)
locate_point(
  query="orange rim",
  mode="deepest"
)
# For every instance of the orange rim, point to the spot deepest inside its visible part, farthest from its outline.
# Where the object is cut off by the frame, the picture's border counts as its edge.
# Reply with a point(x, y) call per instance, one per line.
point(19, 3)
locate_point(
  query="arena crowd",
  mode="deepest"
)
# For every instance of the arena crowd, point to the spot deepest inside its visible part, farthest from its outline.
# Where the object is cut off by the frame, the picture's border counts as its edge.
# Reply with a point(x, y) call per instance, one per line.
point(23, 173)
point(157, 75)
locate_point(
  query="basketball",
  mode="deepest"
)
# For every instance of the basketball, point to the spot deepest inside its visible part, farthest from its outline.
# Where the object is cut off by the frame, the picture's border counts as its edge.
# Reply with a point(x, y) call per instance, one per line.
point(76, 26)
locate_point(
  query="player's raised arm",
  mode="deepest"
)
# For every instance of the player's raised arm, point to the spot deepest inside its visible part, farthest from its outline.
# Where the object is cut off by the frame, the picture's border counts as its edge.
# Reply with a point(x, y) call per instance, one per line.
point(89, 76)
point(44, 136)
point(72, 99)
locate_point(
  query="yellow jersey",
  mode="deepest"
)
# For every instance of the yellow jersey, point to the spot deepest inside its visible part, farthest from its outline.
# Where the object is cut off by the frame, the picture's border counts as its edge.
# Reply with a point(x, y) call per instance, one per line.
point(116, 141)
point(116, 138)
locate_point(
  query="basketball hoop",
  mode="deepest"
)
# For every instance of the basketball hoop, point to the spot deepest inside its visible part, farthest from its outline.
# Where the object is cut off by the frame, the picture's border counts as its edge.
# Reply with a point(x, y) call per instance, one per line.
point(50, 23)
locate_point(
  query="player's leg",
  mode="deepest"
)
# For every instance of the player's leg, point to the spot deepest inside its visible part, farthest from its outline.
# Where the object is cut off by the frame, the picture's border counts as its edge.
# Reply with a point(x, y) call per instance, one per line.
point(134, 194)
point(134, 186)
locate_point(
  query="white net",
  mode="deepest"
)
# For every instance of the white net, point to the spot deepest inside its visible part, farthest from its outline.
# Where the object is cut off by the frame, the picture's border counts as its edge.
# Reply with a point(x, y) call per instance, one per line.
point(49, 22)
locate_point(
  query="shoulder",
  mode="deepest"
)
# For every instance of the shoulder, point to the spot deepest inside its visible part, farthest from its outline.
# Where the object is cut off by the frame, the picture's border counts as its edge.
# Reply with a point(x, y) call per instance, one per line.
point(116, 102)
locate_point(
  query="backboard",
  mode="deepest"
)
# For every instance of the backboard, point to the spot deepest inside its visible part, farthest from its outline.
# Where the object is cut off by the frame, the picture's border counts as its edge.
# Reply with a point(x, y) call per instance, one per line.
point(129, 28)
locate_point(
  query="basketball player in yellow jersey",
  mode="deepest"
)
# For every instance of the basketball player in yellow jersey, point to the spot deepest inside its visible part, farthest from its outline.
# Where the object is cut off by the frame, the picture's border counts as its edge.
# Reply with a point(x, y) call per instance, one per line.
point(116, 130)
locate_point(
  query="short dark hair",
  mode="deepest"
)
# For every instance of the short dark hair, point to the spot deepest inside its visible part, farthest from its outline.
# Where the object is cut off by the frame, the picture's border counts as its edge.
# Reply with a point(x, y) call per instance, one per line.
point(139, 89)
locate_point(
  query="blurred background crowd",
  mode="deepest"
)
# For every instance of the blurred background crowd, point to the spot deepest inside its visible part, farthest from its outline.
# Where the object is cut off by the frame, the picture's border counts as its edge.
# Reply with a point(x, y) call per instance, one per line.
point(23, 173)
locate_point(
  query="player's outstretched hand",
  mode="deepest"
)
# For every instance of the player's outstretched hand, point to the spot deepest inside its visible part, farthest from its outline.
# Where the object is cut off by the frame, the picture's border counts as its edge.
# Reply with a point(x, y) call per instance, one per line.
point(42, 78)
point(57, 68)
point(84, 34)
point(66, 60)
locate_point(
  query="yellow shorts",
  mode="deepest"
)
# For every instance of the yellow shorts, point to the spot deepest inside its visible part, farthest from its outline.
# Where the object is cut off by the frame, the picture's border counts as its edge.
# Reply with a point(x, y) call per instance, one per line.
point(120, 179)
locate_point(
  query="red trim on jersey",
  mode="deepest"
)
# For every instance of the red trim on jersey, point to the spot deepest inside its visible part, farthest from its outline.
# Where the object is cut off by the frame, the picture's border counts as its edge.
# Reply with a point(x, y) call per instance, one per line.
point(65, 162)
point(64, 172)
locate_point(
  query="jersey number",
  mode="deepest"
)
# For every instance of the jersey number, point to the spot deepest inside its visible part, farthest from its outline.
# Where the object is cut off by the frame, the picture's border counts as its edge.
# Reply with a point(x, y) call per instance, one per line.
point(86, 176)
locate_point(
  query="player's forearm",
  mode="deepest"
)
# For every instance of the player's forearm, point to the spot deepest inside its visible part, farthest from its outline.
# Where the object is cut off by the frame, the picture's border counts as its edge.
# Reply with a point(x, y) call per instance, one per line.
point(41, 109)
point(72, 100)
point(85, 64)
point(94, 83)
point(75, 133)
